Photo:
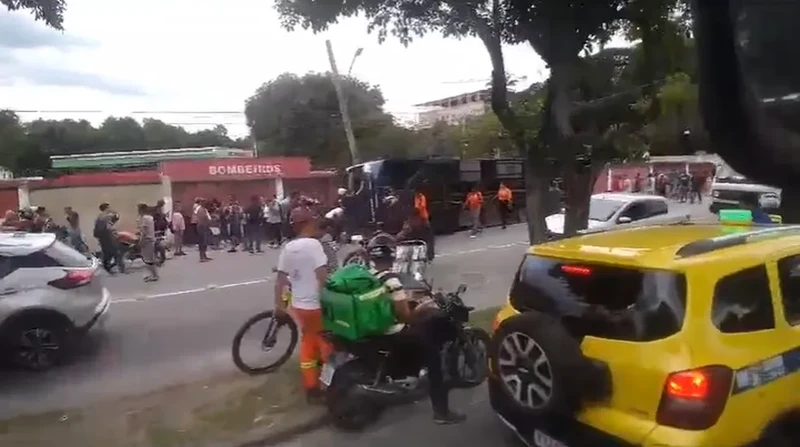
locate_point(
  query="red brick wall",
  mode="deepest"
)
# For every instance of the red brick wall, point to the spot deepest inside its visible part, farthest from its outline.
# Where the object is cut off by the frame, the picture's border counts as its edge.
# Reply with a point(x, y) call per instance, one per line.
point(9, 200)
point(186, 192)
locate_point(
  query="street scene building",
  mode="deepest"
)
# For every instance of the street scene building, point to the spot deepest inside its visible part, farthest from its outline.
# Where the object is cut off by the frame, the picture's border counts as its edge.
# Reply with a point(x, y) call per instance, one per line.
point(453, 109)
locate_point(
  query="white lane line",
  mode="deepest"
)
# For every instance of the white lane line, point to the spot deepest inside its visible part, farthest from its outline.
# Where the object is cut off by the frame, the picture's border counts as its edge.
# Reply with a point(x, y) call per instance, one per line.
point(143, 298)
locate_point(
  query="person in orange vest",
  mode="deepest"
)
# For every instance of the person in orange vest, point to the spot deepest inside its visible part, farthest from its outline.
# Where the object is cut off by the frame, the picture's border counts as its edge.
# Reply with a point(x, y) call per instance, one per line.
point(421, 205)
point(504, 201)
point(474, 203)
point(421, 210)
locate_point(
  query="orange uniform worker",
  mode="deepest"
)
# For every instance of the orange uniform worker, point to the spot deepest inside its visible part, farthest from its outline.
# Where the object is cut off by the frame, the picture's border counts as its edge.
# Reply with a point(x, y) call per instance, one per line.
point(421, 205)
point(302, 265)
point(474, 203)
point(421, 209)
point(504, 201)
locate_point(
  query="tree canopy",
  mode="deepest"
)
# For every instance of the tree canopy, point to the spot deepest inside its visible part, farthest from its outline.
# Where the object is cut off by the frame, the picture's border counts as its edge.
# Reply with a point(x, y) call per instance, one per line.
point(299, 115)
point(25, 147)
point(50, 12)
point(579, 131)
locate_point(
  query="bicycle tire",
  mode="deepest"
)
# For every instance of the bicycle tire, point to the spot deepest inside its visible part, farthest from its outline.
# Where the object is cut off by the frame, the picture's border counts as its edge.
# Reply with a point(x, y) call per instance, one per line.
point(237, 342)
point(354, 256)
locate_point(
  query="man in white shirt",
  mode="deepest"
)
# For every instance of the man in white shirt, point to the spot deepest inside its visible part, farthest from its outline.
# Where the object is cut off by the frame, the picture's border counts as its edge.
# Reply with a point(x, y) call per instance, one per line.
point(302, 267)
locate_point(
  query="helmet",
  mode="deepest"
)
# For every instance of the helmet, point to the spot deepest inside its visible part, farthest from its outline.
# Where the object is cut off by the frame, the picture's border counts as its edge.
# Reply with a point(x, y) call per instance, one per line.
point(381, 247)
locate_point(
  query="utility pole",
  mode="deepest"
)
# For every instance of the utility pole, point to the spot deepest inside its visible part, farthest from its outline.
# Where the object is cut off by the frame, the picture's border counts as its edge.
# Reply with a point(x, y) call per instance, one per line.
point(337, 84)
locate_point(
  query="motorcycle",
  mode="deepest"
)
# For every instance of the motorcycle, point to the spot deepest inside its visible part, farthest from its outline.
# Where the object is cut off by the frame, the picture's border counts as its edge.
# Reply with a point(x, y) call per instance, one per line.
point(132, 250)
point(360, 255)
point(362, 378)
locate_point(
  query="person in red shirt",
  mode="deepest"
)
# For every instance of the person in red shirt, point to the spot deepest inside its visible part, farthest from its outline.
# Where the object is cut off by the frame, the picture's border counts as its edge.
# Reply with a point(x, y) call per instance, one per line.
point(474, 203)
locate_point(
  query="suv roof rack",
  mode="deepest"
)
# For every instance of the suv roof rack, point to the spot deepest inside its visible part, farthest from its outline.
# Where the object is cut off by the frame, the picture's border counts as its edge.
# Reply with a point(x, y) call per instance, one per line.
point(732, 240)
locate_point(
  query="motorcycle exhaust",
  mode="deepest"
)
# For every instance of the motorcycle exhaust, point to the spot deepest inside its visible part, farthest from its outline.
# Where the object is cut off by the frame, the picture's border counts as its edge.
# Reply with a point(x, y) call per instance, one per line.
point(393, 393)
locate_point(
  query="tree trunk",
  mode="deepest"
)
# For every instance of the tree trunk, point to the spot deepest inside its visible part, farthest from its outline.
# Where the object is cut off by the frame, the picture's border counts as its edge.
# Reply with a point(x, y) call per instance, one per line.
point(578, 184)
point(560, 136)
point(536, 186)
point(535, 183)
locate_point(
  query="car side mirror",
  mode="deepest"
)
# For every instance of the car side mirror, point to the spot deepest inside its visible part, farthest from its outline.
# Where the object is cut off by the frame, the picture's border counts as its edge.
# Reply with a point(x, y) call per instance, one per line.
point(624, 220)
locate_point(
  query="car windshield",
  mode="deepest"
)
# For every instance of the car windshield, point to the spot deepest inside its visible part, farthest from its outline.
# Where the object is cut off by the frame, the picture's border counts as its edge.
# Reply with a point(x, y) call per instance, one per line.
point(602, 209)
point(645, 304)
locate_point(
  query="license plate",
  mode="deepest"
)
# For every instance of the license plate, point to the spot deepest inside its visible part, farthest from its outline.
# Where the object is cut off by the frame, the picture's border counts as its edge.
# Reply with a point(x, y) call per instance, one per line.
point(326, 376)
point(541, 439)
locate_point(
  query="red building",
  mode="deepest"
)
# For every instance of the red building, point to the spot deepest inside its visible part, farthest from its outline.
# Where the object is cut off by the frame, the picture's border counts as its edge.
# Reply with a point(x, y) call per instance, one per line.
point(242, 178)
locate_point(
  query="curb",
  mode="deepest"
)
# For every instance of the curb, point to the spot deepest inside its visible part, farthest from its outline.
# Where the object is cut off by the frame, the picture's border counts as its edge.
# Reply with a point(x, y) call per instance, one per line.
point(275, 437)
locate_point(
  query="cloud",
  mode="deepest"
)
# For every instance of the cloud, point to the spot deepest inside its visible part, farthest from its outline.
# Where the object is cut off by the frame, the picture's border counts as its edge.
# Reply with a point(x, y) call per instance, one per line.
point(19, 31)
point(12, 70)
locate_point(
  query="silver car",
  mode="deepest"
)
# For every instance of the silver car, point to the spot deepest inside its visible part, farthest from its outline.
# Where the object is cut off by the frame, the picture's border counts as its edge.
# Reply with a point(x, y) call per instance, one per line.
point(50, 295)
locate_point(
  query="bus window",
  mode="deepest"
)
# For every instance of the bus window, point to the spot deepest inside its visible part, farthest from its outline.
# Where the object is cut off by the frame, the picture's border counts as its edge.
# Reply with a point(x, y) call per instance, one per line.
point(355, 178)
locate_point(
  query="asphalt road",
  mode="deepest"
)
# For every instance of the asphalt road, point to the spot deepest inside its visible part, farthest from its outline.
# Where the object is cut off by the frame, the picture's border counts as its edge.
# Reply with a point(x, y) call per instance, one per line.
point(413, 425)
point(181, 328)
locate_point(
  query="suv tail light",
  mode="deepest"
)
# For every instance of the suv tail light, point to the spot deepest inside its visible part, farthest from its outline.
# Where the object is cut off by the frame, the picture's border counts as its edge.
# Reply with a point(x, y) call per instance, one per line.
point(73, 279)
point(694, 399)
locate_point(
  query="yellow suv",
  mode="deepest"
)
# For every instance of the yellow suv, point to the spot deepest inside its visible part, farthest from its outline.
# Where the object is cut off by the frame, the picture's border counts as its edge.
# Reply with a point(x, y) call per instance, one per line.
point(674, 335)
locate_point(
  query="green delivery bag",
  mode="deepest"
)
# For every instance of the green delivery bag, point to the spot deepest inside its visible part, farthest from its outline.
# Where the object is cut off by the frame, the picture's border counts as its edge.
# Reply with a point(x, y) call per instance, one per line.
point(355, 305)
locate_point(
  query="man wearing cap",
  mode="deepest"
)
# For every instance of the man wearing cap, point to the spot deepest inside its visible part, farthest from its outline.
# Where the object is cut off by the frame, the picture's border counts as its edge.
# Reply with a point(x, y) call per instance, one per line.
point(302, 267)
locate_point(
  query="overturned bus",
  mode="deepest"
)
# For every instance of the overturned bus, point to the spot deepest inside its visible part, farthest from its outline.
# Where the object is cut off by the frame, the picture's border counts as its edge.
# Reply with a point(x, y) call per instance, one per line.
point(445, 183)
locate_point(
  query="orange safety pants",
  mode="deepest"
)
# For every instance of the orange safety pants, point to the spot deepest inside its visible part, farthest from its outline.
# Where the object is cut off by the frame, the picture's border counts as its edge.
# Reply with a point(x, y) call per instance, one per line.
point(314, 349)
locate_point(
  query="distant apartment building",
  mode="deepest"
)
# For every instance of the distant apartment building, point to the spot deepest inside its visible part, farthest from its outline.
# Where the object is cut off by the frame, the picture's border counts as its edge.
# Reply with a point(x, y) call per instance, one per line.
point(6, 174)
point(453, 109)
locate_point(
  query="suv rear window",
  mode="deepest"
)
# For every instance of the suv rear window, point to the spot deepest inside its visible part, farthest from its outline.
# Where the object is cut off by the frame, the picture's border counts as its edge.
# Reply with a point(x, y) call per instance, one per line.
point(602, 301)
point(67, 256)
point(57, 254)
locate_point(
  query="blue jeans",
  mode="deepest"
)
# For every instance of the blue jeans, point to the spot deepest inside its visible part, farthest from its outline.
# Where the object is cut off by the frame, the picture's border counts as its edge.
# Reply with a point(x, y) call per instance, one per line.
point(253, 235)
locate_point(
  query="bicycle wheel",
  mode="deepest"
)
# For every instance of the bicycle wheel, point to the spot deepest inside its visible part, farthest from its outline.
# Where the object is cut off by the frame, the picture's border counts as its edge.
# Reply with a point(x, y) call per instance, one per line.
point(268, 341)
point(358, 256)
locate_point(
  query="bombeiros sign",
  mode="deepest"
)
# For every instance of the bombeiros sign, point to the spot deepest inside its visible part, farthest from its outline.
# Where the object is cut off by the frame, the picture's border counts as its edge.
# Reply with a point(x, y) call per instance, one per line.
point(254, 169)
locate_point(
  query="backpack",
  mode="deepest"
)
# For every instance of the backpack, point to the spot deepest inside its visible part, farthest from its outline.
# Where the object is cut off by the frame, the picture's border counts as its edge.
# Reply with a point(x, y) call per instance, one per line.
point(355, 304)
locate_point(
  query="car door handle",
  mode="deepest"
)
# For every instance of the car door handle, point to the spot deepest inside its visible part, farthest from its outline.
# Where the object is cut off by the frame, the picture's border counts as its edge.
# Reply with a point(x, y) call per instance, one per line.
point(9, 291)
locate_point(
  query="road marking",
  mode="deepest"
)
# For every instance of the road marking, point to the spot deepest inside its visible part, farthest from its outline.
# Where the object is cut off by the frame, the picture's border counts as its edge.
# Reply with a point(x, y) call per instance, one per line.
point(143, 298)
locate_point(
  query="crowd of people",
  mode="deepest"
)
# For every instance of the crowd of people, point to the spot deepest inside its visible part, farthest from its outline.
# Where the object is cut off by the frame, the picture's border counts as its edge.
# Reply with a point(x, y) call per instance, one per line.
point(208, 223)
point(676, 185)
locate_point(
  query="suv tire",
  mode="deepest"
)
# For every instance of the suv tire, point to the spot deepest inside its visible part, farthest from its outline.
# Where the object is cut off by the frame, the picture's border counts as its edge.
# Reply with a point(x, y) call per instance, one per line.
point(540, 365)
point(37, 341)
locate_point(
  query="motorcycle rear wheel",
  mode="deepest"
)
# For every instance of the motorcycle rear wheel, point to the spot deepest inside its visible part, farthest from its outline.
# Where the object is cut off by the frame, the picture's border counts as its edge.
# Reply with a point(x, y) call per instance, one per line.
point(349, 412)
point(477, 341)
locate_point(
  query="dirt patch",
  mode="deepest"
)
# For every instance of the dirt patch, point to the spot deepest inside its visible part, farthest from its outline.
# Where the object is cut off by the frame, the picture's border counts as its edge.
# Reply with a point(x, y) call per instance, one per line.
point(224, 410)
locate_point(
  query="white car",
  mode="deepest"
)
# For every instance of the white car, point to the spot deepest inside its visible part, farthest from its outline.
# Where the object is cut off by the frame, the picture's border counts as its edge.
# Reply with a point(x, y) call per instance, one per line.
point(607, 210)
point(50, 295)
point(731, 192)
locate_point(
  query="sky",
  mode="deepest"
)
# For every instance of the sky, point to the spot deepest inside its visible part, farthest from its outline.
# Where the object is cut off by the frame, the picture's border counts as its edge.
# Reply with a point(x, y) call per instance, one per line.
point(200, 56)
